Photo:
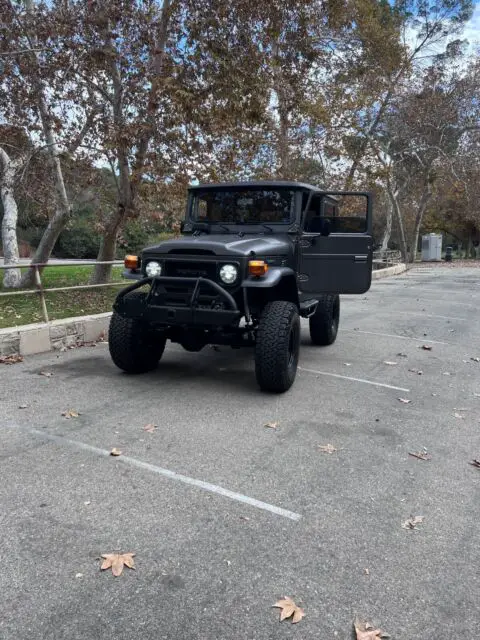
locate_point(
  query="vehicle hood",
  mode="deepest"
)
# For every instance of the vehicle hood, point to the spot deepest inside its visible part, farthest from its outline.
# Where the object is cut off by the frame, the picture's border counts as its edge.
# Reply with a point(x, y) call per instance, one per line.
point(224, 245)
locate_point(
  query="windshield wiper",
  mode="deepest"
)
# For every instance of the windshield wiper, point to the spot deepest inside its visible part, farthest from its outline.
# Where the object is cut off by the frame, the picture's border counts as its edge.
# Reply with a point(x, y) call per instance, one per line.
point(261, 224)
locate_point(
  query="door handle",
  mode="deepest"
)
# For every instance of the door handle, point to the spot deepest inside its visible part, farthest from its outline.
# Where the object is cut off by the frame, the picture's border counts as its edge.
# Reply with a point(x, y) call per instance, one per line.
point(361, 258)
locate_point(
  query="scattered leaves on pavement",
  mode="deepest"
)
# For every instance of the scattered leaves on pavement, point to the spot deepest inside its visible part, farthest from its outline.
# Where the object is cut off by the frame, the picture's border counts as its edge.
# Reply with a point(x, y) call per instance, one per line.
point(289, 608)
point(365, 631)
point(115, 452)
point(150, 428)
point(116, 561)
point(271, 425)
point(426, 347)
point(12, 359)
point(404, 400)
point(47, 374)
point(417, 371)
point(475, 463)
point(475, 359)
point(412, 522)
point(390, 362)
point(70, 413)
point(327, 448)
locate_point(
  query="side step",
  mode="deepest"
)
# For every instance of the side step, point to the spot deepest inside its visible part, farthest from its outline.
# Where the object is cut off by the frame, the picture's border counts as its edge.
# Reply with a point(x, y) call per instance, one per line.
point(308, 308)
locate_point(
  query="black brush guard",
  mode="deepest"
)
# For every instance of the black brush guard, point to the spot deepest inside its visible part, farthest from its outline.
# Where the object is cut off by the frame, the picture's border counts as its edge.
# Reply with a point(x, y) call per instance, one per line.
point(156, 310)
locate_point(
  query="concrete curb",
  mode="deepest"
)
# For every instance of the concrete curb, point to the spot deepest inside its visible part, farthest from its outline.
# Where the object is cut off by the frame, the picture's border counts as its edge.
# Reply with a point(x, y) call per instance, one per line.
point(72, 332)
point(39, 338)
point(389, 271)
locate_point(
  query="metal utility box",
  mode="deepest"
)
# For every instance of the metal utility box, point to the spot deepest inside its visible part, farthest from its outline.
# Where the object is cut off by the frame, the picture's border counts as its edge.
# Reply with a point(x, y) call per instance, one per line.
point(431, 247)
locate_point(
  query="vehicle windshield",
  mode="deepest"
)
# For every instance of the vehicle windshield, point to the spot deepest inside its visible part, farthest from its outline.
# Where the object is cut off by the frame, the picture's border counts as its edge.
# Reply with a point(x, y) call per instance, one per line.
point(243, 206)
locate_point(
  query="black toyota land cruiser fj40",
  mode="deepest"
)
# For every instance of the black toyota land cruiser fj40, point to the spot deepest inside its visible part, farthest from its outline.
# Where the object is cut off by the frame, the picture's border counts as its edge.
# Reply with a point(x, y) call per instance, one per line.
point(252, 258)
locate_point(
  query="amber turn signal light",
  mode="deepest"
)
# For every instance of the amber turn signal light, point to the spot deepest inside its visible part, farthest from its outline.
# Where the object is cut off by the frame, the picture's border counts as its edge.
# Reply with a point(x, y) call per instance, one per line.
point(257, 268)
point(131, 262)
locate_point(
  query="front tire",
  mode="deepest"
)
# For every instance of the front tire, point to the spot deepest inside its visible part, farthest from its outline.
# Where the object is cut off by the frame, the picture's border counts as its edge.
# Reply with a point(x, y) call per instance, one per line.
point(277, 346)
point(133, 346)
point(324, 322)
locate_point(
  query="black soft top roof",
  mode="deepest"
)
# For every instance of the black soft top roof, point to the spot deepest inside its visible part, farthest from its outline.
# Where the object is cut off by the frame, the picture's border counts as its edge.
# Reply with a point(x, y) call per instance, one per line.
point(256, 183)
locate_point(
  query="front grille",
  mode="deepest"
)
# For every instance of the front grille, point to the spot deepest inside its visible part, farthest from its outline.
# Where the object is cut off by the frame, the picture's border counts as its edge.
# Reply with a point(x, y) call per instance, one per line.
point(184, 269)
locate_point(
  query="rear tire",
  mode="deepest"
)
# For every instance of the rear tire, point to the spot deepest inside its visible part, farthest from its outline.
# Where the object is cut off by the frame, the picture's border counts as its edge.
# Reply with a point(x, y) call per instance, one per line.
point(324, 322)
point(134, 347)
point(277, 346)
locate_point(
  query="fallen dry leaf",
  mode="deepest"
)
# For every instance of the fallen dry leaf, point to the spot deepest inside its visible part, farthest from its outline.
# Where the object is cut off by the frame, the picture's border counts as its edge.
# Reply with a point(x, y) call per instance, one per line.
point(115, 452)
point(271, 425)
point(23, 406)
point(327, 448)
point(417, 371)
point(150, 428)
point(458, 415)
point(366, 571)
point(412, 522)
point(404, 400)
point(12, 359)
point(421, 455)
point(402, 355)
point(475, 359)
point(390, 362)
point(116, 561)
point(70, 413)
point(475, 463)
point(347, 364)
point(289, 608)
point(47, 374)
point(426, 347)
point(365, 631)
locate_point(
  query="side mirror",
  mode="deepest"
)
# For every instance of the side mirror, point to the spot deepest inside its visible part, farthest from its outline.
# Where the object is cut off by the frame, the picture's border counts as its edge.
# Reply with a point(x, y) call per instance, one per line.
point(326, 227)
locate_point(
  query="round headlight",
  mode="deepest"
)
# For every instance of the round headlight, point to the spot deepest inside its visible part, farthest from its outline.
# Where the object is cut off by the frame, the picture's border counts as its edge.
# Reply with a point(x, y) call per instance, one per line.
point(153, 268)
point(228, 273)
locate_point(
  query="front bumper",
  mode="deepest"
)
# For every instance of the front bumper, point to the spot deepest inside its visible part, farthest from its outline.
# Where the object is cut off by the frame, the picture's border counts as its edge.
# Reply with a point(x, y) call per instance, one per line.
point(157, 309)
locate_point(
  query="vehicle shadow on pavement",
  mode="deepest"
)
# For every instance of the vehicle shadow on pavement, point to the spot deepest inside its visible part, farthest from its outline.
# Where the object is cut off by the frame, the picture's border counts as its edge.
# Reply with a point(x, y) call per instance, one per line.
point(227, 368)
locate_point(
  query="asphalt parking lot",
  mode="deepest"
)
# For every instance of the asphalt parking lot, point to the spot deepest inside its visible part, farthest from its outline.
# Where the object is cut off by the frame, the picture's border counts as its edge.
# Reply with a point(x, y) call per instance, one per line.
point(226, 516)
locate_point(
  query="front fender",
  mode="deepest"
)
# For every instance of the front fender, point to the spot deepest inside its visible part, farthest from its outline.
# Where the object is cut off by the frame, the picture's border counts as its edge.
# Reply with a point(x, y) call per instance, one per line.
point(128, 274)
point(271, 279)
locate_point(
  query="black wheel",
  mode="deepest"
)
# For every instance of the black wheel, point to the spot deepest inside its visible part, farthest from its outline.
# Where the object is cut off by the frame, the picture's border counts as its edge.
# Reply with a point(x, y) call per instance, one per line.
point(325, 320)
point(277, 346)
point(133, 346)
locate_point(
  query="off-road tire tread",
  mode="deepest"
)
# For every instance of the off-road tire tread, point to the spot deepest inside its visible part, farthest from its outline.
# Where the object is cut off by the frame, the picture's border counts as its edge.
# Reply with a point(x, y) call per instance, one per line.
point(272, 342)
point(132, 347)
point(321, 330)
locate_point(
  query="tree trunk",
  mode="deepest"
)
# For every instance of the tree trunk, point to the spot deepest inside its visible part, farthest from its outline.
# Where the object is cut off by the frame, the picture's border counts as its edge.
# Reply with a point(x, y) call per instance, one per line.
point(11, 277)
point(393, 195)
point(387, 232)
point(106, 253)
point(63, 208)
point(426, 195)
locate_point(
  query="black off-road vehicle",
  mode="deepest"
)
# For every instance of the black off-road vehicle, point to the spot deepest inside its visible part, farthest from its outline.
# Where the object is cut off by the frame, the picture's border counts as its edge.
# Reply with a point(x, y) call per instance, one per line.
point(252, 258)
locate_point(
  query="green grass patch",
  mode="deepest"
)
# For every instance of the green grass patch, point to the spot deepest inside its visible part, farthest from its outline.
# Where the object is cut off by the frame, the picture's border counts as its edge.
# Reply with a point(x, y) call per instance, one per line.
point(26, 309)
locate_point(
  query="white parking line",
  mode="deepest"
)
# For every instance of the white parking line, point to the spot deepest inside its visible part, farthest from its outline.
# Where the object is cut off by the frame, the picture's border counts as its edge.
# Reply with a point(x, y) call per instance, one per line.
point(390, 335)
point(173, 475)
point(429, 315)
point(337, 375)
